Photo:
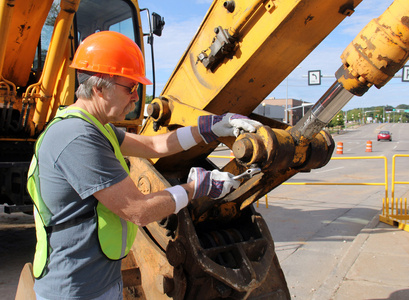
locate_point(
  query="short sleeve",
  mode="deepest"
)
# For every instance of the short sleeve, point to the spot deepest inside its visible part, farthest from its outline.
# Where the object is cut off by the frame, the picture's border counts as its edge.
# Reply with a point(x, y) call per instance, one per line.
point(120, 134)
point(89, 163)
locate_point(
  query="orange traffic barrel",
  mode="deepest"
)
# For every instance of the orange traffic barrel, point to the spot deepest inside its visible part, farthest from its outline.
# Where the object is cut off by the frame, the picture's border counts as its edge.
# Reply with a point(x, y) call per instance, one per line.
point(368, 146)
point(340, 148)
point(231, 155)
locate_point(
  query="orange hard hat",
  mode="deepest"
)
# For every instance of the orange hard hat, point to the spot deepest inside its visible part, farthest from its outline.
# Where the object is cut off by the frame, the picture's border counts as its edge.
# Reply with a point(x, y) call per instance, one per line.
point(110, 52)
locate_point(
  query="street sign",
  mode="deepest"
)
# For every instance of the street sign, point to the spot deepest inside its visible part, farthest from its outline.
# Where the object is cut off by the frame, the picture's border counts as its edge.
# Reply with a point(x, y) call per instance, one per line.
point(314, 77)
point(405, 74)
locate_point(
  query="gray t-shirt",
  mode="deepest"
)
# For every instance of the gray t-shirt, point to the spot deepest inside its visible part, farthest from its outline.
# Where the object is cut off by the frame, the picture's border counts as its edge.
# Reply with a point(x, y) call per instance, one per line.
point(75, 161)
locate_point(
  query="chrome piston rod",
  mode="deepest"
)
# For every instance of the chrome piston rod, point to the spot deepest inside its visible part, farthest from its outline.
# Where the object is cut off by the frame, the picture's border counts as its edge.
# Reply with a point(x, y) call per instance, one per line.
point(335, 98)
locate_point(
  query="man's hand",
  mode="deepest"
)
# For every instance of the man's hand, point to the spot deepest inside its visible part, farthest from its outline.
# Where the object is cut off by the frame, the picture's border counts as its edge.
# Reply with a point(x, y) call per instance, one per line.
point(214, 184)
point(212, 127)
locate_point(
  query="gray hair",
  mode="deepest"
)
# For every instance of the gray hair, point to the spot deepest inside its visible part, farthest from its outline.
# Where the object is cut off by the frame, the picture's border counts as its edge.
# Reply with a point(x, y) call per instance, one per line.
point(88, 80)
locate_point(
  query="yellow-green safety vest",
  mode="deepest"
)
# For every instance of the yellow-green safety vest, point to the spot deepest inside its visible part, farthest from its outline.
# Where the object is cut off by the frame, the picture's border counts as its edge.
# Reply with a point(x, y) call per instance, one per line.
point(115, 235)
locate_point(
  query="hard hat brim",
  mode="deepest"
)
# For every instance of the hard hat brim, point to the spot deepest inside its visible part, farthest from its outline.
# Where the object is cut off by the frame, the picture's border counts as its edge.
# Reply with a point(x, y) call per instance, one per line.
point(144, 80)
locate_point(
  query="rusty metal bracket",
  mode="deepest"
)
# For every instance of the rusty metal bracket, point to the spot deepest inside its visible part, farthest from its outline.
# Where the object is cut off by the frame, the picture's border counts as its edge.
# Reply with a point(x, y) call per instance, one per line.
point(222, 46)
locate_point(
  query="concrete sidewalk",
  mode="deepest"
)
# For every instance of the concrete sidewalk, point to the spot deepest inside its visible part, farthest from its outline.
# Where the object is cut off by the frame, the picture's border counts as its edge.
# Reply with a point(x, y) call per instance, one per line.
point(376, 266)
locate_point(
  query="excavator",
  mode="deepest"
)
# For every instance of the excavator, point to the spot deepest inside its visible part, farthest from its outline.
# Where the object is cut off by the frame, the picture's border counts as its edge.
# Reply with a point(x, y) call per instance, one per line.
point(240, 53)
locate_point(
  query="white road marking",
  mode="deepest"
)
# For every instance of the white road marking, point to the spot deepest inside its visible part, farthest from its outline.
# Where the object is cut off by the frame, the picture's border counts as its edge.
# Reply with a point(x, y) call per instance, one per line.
point(329, 170)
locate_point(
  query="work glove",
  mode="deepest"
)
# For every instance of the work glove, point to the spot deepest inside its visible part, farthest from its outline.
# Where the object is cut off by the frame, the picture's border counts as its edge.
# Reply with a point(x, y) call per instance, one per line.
point(212, 127)
point(214, 184)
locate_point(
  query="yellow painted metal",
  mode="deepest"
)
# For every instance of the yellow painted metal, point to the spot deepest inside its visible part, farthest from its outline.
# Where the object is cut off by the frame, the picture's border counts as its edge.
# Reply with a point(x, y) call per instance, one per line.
point(149, 256)
point(378, 51)
point(56, 86)
point(220, 156)
point(64, 88)
point(273, 37)
point(394, 210)
point(135, 126)
point(172, 114)
point(333, 183)
point(395, 213)
point(266, 201)
point(6, 12)
point(385, 183)
point(393, 174)
point(269, 43)
point(9, 88)
point(54, 60)
point(24, 32)
point(392, 222)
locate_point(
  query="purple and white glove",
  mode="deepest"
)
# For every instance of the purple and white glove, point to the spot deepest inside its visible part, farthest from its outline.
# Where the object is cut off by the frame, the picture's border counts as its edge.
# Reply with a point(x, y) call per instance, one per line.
point(214, 184)
point(212, 127)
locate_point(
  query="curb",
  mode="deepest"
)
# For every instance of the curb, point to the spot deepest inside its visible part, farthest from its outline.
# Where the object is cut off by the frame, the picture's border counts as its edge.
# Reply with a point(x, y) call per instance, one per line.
point(330, 287)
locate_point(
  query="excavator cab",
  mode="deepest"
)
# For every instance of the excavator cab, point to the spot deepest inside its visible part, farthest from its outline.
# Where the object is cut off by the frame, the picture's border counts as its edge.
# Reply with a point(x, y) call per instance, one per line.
point(37, 77)
point(99, 15)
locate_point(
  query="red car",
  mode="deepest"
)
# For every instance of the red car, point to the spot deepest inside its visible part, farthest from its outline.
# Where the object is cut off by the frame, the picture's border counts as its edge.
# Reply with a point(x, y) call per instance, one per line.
point(384, 135)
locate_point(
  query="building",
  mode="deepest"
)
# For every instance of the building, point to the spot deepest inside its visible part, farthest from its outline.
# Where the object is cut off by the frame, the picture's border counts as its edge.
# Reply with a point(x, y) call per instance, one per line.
point(275, 109)
point(270, 111)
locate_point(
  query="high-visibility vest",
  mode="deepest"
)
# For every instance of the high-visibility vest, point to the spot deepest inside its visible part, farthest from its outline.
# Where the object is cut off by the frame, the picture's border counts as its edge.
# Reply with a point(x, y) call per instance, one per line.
point(115, 235)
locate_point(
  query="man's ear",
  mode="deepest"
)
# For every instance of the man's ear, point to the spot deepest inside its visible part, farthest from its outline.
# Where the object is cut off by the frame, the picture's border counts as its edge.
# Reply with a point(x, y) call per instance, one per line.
point(97, 90)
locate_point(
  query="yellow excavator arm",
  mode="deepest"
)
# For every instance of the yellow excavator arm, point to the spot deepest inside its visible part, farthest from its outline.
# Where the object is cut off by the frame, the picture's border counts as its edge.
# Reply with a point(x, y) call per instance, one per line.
point(241, 52)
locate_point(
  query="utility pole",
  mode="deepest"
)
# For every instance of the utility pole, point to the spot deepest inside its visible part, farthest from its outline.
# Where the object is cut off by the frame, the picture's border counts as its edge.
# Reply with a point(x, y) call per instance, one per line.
point(383, 121)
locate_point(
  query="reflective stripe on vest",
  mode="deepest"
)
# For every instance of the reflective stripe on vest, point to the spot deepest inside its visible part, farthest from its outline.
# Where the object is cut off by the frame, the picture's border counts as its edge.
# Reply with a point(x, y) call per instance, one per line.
point(115, 235)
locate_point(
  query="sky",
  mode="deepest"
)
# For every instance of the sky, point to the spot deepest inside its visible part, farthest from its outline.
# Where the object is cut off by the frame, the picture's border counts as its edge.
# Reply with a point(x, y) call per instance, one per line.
point(183, 17)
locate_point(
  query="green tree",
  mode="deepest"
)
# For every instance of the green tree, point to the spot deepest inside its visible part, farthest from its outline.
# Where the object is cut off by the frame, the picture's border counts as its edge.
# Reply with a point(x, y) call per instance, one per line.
point(148, 99)
point(354, 114)
point(337, 121)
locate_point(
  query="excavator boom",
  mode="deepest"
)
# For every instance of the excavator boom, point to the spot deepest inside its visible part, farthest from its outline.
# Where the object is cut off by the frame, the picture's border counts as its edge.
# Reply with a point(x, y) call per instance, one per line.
point(241, 52)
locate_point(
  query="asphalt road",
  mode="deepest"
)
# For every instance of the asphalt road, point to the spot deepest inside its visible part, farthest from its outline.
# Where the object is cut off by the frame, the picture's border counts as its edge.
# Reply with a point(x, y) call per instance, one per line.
point(312, 226)
point(17, 244)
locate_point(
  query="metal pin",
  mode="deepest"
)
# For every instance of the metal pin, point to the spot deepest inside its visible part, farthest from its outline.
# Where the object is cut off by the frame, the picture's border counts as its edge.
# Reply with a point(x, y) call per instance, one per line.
point(248, 173)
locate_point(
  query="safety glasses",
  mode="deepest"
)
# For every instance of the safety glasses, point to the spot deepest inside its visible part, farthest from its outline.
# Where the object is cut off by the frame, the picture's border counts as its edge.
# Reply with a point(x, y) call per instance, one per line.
point(131, 89)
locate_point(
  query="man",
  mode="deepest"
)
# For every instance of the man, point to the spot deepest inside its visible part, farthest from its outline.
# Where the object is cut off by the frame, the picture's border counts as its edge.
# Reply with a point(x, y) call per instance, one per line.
point(87, 206)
